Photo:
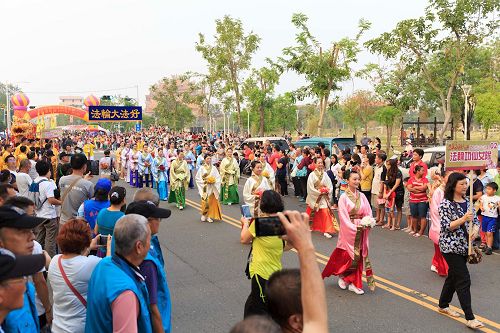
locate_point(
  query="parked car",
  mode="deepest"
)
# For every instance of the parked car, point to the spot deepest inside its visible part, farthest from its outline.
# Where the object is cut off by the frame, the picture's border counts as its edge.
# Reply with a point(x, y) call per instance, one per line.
point(275, 140)
point(329, 142)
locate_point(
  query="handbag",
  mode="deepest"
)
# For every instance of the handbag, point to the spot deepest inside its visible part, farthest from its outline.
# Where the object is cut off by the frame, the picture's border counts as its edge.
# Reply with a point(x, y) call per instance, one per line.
point(114, 176)
point(70, 286)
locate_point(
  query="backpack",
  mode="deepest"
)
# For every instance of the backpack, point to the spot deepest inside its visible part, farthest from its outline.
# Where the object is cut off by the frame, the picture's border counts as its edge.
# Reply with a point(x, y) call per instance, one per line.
point(34, 191)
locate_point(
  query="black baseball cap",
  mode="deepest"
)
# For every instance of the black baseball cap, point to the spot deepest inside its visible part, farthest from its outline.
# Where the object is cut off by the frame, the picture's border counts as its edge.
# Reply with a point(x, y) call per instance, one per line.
point(12, 266)
point(14, 217)
point(147, 209)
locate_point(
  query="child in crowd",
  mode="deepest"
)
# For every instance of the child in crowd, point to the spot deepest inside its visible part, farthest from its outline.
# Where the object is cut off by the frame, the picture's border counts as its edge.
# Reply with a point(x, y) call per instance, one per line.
point(343, 181)
point(389, 208)
point(489, 203)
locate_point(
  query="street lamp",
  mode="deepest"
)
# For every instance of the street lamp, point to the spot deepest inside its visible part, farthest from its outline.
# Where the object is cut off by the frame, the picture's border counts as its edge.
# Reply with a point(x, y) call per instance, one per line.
point(466, 88)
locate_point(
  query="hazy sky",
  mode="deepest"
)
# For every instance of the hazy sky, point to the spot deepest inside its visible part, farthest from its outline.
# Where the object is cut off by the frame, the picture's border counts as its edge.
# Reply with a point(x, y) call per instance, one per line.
point(52, 48)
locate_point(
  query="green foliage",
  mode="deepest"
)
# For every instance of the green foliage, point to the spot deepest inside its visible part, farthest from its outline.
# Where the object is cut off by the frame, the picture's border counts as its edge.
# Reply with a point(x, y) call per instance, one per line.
point(172, 99)
point(438, 45)
point(258, 90)
point(322, 69)
point(284, 113)
point(487, 111)
point(228, 56)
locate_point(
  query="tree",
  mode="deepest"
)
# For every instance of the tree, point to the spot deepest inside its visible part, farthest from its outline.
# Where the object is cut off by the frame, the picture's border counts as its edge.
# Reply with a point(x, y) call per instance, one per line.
point(322, 69)
point(258, 89)
point(387, 116)
point(448, 33)
point(487, 110)
point(396, 88)
point(284, 112)
point(172, 99)
point(229, 55)
point(359, 109)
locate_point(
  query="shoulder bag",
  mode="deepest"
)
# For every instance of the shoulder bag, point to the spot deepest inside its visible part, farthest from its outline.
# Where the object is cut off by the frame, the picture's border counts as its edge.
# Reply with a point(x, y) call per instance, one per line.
point(70, 286)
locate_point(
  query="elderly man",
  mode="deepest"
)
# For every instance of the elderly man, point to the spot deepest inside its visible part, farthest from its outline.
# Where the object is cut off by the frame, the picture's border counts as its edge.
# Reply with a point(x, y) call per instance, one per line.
point(118, 299)
point(152, 268)
point(13, 272)
point(16, 235)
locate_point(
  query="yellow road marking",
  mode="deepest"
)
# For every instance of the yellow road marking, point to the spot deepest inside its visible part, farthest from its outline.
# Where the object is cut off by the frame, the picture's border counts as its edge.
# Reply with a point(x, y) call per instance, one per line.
point(380, 281)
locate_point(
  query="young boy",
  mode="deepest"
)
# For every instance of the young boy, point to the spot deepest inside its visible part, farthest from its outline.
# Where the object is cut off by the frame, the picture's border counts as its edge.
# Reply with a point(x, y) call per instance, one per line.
point(489, 203)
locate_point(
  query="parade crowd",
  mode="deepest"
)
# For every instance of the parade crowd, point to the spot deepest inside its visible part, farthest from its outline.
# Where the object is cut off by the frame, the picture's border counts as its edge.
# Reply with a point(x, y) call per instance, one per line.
point(95, 263)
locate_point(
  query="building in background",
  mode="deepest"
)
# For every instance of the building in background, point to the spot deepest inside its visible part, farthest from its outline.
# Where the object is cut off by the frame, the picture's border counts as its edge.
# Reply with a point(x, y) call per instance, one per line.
point(75, 101)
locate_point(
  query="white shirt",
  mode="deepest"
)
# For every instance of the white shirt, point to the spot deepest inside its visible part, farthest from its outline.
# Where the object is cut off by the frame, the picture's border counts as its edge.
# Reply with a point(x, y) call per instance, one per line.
point(37, 249)
point(33, 174)
point(69, 313)
point(23, 181)
point(46, 190)
point(489, 205)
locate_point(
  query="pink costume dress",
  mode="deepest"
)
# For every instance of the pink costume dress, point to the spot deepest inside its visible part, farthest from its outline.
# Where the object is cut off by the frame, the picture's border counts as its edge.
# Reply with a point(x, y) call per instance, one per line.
point(435, 228)
point(351, 253)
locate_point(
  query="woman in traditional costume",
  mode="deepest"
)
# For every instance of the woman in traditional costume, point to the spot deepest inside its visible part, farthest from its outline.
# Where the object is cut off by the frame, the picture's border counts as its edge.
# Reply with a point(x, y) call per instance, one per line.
point(171, 155)
point(160, 175)
point(208, 181)
point(179, 181)
point(254, 187)
point(351, 255)
point(319, 194)
point(133, 166)
point(439, 264)
point(268, 171)
point(125, 173)
point(230, 174)
point(144, 163)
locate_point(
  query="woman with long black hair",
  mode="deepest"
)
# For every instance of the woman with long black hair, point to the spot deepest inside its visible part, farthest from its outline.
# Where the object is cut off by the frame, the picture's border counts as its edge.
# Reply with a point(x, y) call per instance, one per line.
point(456, 215)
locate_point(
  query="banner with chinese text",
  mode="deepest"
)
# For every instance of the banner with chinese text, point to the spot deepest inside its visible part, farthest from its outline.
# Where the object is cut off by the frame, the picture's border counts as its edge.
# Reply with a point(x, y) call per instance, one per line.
point(471, 155)
point(115, 113)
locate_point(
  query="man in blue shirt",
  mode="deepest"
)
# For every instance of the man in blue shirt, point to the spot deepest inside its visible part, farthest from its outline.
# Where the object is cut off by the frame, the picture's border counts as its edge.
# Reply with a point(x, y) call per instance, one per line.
point(116, 290)
point(153, 267)
point(13, 272)
point(16, 235)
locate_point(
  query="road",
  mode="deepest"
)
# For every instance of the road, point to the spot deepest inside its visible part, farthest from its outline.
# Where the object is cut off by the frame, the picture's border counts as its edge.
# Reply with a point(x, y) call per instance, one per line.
point(205, 268)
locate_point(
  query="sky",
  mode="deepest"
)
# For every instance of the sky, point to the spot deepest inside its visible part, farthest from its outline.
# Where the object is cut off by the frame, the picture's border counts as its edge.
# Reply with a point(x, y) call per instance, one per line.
point(51, 48)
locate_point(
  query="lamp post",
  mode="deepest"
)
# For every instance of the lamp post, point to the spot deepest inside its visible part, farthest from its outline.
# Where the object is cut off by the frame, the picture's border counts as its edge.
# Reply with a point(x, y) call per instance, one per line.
point(466, 88)
point(248, 122)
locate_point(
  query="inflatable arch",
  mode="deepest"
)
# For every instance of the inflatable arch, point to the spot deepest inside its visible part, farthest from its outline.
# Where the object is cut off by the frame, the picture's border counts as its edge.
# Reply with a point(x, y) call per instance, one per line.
point(56, 109)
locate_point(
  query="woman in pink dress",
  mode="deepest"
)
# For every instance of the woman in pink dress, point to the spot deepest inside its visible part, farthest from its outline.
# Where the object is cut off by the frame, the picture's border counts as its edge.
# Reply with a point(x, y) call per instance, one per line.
point(439, 264)
point(351, 255)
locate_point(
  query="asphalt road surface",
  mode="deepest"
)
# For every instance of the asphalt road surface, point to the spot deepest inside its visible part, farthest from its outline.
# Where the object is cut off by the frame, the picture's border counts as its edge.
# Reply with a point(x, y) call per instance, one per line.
point(205, 268)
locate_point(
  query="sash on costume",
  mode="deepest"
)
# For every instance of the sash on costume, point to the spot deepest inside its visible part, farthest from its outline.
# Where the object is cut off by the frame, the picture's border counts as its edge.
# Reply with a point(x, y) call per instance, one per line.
point(370, 279)
point(225, 181)
point(317, 185)
point(258, 181)
point(204, 197)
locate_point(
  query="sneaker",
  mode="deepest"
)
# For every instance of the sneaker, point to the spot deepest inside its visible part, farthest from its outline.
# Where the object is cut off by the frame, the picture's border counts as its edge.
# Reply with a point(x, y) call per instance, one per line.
point(474, 323)
point(434, 269)
point(181, 208)
point(209, 220)
point(356, 290)
point(488, 251)
point(230, 203)
point(327, 235)
point(203, 218)
point(448, 311)
point(342, 284)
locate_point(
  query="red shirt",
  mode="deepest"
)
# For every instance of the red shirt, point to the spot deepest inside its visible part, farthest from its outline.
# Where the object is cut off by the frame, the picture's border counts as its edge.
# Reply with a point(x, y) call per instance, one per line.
point(247, 152)
point(420, 196)
point(273, 160)
point(414, 164)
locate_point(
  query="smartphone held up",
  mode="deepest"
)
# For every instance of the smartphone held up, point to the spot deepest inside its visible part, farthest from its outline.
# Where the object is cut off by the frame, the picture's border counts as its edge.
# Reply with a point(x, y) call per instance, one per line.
point(269, 226)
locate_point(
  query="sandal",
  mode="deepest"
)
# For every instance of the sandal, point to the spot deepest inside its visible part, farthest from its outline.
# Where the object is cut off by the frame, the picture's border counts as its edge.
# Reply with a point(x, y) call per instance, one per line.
point(416, 235)
point(412, 232)
point(392, 228)
point(385, 226)
point(474, 324)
